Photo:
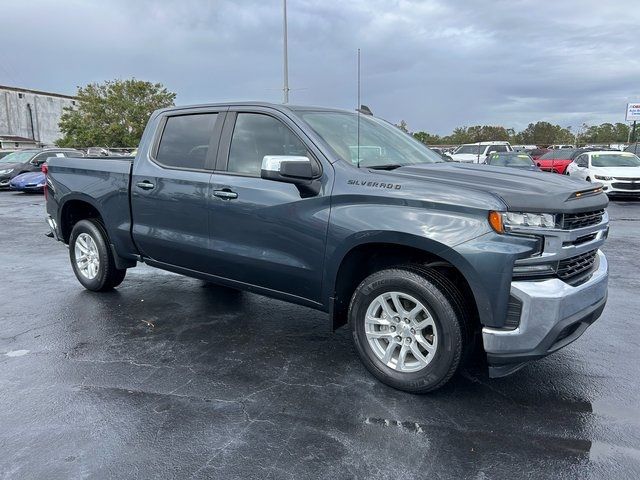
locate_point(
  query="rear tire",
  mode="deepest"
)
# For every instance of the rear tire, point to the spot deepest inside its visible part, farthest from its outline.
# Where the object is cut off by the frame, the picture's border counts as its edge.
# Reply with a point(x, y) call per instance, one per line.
point(434, 340)
point(91, 258)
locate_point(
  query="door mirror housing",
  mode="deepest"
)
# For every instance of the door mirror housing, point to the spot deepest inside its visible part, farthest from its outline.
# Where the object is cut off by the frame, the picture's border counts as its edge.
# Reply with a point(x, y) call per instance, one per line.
point(287, 168)
point(298, 170)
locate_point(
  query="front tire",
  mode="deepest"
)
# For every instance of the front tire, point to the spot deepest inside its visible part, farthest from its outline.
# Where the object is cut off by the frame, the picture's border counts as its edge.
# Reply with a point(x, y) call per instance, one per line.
point(91, 258)
point(410, 327)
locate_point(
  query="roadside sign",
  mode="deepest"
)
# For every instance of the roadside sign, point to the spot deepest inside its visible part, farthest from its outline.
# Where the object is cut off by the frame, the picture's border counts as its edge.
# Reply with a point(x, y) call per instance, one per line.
point(633, 112)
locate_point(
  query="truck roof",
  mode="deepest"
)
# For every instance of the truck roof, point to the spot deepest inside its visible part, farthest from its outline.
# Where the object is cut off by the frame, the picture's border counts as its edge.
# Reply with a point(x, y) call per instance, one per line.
point(276, 106)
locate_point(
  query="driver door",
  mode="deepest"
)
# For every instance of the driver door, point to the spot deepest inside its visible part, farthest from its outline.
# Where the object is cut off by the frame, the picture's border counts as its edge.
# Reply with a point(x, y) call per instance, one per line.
point(263, 232)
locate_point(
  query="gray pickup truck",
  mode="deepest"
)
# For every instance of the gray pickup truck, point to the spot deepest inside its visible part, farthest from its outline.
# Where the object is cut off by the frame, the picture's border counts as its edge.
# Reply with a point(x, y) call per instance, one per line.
point(344, 213)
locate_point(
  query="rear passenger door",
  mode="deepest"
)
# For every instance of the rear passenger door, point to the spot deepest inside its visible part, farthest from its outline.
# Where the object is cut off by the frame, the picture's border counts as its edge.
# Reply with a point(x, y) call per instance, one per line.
point(170, 189)
point(267, 233)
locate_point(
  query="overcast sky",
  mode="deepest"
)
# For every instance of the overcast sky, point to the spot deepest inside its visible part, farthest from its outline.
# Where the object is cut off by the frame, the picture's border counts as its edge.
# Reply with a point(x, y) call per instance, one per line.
point(435, 64)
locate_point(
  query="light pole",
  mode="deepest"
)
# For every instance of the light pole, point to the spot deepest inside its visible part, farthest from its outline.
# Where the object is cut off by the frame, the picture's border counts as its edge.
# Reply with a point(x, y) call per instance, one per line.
point(285, 86)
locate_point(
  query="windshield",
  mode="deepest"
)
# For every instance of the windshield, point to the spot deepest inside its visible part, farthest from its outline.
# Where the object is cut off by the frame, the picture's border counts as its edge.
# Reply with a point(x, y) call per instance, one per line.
point(615, 160)
point(510, 160)
point(381, 144)
point(471, 149)
point(18, 157)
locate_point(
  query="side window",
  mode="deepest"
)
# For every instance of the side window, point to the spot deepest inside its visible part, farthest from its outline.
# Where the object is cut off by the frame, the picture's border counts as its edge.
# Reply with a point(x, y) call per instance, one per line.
point(42, 157)
point(185, 141)
point(500, 148)
point(581, 161)
point(256, 135)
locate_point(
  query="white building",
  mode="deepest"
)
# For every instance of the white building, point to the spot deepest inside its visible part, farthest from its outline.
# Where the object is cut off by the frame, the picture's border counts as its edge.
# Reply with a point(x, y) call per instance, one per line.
point(32, 114)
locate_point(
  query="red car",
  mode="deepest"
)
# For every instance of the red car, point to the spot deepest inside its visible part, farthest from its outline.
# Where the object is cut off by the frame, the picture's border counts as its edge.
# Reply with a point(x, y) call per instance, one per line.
point(557, 161)
point(536, 153)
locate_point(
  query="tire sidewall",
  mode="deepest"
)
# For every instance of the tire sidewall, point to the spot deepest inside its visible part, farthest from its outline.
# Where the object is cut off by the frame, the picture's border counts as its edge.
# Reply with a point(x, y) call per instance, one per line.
point(97, 234)
point(449, 347)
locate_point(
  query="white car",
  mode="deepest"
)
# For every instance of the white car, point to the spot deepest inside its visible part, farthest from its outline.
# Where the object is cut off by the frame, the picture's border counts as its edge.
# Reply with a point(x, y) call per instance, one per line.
point(560, 147)
point(478, 152)
point(619, 172)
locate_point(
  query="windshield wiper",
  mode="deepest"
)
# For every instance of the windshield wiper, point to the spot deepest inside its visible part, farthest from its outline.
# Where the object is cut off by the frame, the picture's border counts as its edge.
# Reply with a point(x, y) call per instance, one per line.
point(391, 166)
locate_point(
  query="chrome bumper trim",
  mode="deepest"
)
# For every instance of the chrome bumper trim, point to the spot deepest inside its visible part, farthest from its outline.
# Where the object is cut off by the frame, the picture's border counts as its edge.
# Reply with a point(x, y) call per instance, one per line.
point(545, 304)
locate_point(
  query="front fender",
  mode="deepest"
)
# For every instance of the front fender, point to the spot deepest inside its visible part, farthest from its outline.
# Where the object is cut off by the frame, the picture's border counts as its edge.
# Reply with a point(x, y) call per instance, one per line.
point(461, 238)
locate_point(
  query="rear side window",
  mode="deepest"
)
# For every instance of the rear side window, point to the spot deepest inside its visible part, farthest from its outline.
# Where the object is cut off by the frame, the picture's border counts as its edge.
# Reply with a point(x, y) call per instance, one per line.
point(185, 141)
point(256, 135)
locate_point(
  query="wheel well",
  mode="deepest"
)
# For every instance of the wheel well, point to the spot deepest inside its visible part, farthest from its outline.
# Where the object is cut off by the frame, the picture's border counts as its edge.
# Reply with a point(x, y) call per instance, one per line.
point(362, 261)
point(72, 212)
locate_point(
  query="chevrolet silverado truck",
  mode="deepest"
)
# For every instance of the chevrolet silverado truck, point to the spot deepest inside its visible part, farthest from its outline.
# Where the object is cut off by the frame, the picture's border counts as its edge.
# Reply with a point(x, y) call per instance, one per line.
point(342, 212)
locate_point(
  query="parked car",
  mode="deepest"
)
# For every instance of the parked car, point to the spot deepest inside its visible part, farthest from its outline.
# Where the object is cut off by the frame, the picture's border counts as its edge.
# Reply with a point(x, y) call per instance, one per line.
point(97, 152)
point(633, 148)
point(557, 161)
point(477, 152)
point(28, 182)
point(536, 153)
point(521, 148)
point(561, 147)
point(22, 161)
point(418, 256)
point(618, 172)
point(513, 160)
point(445, 156)
point(4, 153)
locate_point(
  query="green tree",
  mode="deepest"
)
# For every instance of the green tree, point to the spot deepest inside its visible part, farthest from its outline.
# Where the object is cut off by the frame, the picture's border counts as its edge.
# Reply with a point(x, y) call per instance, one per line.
point(605, 133)
point(403, 126)
point(428, 138)
point(544, 133)
point(112, 114)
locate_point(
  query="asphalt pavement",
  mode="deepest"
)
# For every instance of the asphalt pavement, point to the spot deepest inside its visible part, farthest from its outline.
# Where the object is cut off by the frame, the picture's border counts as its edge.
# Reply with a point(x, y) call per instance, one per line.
point(168, 377)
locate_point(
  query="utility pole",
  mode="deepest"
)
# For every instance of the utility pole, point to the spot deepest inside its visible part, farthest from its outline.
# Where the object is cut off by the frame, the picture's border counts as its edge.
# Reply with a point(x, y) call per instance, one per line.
point(633, 132)
point(285, 86)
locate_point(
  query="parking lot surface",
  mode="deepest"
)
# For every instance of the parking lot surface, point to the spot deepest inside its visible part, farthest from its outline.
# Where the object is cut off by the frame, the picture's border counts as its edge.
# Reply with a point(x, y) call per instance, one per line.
point(170, 377)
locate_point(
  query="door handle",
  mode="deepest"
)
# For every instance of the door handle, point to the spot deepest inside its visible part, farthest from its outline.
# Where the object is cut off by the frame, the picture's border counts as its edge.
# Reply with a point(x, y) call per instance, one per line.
point(145, 185)
point(225, 194)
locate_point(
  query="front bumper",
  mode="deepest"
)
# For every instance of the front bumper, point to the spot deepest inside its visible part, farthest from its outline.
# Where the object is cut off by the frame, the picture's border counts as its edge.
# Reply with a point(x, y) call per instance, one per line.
point(554, 314)
point(620, 187)
point(4, 182)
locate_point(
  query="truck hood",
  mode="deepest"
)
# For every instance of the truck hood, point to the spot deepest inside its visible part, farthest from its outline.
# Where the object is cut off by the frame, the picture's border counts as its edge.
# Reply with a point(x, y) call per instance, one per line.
point(520, 190)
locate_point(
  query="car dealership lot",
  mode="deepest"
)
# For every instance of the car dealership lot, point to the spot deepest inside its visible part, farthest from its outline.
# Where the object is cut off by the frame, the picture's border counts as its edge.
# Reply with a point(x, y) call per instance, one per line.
point(168, 376)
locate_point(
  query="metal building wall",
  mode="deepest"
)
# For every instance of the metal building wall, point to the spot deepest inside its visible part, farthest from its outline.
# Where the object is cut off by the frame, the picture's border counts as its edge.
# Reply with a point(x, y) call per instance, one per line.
point(31, 114)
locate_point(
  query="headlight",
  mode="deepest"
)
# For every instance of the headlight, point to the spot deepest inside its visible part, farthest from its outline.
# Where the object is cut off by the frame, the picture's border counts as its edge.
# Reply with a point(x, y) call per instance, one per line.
point(504, 221)
point(601, 177)
point(6, 170)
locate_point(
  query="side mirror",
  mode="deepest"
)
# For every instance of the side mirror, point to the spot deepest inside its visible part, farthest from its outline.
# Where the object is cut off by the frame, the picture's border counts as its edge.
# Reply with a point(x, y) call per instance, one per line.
point(294, 169)
point(287, 168)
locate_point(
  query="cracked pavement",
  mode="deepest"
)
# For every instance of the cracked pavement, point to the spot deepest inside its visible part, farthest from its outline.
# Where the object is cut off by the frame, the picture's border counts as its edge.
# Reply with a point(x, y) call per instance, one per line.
point(168, 377)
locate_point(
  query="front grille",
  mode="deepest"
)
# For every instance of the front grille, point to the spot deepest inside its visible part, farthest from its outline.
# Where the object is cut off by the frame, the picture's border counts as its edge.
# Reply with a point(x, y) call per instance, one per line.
point(573, 267)
point(627, 179)
point(571, 221)
point(626, 186)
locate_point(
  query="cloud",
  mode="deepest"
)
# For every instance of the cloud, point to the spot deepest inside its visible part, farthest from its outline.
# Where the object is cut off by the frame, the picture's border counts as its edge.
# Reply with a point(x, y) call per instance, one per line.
point(435, 64)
